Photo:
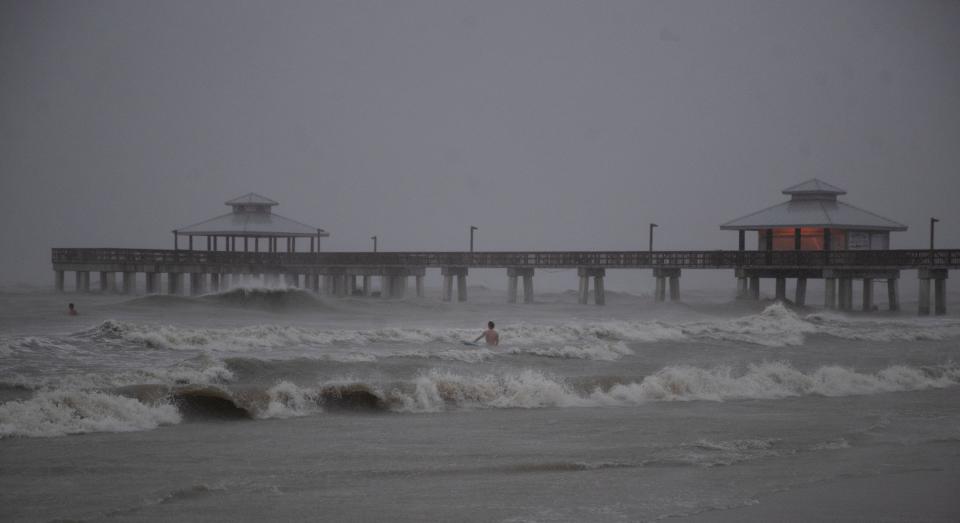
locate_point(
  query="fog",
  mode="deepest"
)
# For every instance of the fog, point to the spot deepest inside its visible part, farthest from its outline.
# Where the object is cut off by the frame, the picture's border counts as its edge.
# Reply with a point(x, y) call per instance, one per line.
point(548, 125)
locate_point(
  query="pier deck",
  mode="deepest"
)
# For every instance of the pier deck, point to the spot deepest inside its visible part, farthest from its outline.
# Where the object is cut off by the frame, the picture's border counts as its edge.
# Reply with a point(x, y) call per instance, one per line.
point(168, 259)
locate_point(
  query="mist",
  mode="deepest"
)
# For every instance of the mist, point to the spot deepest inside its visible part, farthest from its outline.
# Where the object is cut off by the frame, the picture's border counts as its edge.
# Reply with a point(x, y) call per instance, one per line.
point(548, 125)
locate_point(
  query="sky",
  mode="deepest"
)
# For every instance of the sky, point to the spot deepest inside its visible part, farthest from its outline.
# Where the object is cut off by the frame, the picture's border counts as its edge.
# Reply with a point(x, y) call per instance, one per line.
point(549, 125)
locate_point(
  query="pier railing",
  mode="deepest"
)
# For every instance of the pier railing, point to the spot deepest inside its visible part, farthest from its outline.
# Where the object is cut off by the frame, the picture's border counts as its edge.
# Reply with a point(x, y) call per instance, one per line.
point(718, 259)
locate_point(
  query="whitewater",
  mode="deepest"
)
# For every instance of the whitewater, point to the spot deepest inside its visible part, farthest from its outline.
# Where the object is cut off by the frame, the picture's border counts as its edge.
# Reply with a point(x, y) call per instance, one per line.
point(260, 403)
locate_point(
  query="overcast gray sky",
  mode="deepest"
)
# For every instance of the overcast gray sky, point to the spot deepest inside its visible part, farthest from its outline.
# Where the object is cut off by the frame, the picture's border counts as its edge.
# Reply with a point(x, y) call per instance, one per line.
point(548, 124)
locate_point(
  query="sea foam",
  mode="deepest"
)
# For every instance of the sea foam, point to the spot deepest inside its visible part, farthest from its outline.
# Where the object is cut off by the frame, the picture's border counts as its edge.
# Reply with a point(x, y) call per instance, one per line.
point(61, 412)
point(775, 326)
point(437, 390)
point(58, 413)
point(287, 400)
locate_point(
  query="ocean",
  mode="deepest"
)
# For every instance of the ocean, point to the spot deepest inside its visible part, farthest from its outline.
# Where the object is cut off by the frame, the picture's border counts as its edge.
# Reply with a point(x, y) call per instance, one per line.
point(261, 404)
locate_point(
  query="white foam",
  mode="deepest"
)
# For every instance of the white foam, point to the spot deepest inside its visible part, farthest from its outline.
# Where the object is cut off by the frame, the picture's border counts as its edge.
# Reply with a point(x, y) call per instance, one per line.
point(287, 400)
point(884, 330)
point(595, 351)
point(586, 341)
point(201, 373)
point(776, 326)
point(62, 412)
point(437, 390)
point(17, 346)
point(526, 389)
point(473, 355)
point(523, 334)
point(772, 380)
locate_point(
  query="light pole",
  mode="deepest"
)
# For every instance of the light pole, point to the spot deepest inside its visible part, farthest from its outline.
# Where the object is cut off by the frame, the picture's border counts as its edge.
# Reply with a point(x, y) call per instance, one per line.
point(374, 238)
point(472, 228)
point(932, 221)
point(652, 225)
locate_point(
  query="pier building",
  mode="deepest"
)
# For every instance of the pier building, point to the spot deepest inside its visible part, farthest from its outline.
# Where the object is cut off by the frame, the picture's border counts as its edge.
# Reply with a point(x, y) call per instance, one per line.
point(250, 223)
point(814, 219)
point(252, 219)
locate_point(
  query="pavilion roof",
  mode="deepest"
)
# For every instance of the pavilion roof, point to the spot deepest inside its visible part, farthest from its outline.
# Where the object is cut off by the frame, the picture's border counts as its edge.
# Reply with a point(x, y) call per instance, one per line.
point(242, 222)
point(820, 210)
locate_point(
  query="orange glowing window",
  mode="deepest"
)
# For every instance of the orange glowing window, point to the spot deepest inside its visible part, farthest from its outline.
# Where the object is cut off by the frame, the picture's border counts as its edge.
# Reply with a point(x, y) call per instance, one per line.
point(811, 239)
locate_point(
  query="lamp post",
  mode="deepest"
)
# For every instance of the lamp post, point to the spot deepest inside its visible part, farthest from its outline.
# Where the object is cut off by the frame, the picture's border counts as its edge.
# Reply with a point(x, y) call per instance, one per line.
point(932, 221)
point(652, 225)
point(374, 238)
point(472, 228)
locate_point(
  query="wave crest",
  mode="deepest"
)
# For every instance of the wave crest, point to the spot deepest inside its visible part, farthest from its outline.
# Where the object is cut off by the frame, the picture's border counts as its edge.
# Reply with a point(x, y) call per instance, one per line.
point(268, 298)
point(774, 380)
point(438, 390)
point(58, 413)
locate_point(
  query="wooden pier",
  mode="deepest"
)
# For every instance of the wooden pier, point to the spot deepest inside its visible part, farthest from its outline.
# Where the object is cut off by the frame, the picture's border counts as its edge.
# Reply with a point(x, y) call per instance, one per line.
point(337, 273)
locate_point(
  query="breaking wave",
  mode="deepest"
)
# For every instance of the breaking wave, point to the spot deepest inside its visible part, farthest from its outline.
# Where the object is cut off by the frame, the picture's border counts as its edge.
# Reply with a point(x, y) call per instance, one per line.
point(775, 380)
point(438, 390)
point(269, 298)
point(194, 371)
point(60, 412)
point(775, 326)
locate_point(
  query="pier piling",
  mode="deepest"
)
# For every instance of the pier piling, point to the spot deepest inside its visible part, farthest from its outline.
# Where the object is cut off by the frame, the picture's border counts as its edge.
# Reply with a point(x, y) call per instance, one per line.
point(197, 283)
point(599, 293)
point(448, 273)
point(867, 294)
point(893, 294)
point(754, 287)
point(781, 289)
point(129, 282)
point(800, 298)
point(663, 276)
point(82, 281)
point(153, 283)
point(743, 291)
point(514, 274)
point(173, 283)
point(938, 277)
point(830, 293)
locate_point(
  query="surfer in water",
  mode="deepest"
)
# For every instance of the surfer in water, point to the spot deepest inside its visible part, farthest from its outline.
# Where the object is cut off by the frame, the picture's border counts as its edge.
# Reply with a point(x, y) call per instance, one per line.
point(71, 310)
point(491, 335)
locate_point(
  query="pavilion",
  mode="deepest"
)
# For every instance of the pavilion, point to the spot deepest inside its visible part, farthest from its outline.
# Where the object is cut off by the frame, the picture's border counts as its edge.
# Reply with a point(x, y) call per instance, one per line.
point(813, 219)
point(251, 220)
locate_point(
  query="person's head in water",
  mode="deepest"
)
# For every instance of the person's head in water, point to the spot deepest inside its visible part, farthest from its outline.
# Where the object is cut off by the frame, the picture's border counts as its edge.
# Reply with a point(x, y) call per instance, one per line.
point(490, 325)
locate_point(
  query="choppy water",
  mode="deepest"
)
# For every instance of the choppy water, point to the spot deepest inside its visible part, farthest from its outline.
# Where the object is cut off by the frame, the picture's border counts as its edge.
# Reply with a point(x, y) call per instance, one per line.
point(259, 404)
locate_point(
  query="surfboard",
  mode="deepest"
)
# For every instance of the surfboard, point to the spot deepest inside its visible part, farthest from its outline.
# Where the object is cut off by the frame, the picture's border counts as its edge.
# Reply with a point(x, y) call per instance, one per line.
point(470, 344)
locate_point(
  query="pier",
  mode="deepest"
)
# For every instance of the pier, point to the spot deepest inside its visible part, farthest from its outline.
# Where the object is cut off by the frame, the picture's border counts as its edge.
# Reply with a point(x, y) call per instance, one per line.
point(338, 273)
point(811, 236)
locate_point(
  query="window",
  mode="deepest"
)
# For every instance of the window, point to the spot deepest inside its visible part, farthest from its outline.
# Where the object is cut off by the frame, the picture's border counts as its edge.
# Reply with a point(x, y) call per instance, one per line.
point(811, 239)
